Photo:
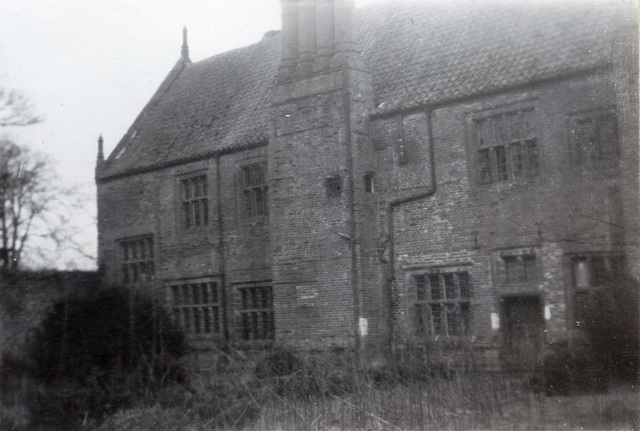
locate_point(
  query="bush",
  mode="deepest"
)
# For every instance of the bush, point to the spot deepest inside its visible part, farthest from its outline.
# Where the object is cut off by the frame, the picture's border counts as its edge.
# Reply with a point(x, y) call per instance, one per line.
point(93, 355)
point(568, 371)
point(609, 352)
point(612, 328)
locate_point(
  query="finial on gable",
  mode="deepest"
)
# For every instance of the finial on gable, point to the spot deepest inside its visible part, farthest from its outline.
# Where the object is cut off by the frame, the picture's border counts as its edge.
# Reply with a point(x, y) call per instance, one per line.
point(100, 149)
point(100, 161)
point(185, 46)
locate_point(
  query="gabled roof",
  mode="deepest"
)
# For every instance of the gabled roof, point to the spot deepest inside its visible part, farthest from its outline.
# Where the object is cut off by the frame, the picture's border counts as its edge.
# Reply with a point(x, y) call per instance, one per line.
point(418, 53)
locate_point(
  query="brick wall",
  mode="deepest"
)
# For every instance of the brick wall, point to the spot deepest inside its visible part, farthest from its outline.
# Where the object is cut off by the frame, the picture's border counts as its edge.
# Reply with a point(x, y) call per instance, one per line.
point(562, 211)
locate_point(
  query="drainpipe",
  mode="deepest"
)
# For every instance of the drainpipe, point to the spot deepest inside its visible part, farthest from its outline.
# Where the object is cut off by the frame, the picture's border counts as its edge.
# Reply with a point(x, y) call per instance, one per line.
point(357, 300)
point(396, 203)
point(223, 283)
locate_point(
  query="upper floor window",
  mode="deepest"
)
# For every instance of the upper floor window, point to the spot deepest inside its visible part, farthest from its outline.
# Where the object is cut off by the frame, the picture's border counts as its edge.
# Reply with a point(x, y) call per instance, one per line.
point(507, 147)
point(257, 313)
point(442, 306)
point(370, 182)
point(195, 202)
point(137, 259)
point(254, 190)
point(594, 139)
point(197, 307)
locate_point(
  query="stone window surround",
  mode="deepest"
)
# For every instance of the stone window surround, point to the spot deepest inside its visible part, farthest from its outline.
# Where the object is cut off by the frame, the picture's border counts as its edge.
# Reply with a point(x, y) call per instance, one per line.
point(136, 259)
point(252, 191)
point(526, 266)
point(598, 155)
point(584, 281)
point(520, 158)
point(197, 305)
point(455, 310)
point(255, 311)
point(193, 211)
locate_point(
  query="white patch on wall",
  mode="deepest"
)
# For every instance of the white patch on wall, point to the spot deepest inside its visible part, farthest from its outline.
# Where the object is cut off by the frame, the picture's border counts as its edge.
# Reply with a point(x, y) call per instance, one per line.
point(547, 312)
point(363, 326)
point(495, 321)
point(305, 293)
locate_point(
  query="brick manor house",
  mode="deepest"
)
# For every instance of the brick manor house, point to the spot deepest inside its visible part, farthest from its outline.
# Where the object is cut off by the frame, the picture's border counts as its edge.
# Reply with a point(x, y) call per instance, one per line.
point(405, 173)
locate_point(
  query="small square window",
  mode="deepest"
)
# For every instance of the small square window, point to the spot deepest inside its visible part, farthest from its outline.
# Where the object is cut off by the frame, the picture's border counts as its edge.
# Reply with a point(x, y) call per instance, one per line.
point(370, 183)
point(520, 269)
point(334, 187)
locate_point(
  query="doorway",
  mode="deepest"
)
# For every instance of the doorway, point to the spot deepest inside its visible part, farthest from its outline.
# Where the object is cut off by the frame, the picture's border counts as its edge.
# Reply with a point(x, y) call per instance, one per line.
point(522, 332)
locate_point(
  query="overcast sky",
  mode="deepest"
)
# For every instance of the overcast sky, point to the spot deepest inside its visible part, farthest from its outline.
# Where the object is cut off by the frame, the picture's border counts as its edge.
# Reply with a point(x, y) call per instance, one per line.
point(90, 66)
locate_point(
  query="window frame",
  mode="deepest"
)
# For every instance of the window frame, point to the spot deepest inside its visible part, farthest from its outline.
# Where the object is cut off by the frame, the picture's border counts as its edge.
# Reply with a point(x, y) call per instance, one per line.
point(137, 266)
point(454, 318)
point(202, 314)
point(253, 195)
point(333, 187)
point(256, 318)
point(582, 293)
point(201, 202)
point(370, 183)
point(520, 269)
point(508, 150)
point(595, 158)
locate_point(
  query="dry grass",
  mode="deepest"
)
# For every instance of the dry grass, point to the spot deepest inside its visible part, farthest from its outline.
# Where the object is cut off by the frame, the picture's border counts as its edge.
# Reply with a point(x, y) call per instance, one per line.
point(284, 391)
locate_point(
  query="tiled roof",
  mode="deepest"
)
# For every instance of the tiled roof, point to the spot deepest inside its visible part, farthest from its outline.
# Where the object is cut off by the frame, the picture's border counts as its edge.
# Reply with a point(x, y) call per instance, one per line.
point(211, 105)
point(419, 54)
point(431, 53)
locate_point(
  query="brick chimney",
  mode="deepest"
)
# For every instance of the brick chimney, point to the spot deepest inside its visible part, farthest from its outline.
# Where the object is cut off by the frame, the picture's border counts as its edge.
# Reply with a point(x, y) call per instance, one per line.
point(314, 33)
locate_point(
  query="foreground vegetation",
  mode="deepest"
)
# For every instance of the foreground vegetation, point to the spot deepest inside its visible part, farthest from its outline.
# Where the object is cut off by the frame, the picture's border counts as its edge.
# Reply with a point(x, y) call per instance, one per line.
point(279, 390)
point(282, 390)
point(113, 360)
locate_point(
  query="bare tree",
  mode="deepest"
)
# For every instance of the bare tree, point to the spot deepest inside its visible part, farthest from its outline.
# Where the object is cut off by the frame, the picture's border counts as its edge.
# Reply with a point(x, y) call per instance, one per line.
point(26, 192)
point(16, 109)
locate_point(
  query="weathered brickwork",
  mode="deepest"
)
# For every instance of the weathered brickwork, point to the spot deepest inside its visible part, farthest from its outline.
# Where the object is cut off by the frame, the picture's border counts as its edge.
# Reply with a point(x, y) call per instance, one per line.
point(367, 204)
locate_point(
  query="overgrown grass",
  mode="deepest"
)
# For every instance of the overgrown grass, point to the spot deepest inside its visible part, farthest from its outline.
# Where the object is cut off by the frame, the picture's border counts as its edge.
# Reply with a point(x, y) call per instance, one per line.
point(283, 390)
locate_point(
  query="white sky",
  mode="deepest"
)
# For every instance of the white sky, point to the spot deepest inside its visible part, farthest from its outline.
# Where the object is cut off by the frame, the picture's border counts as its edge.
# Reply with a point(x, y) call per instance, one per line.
point(90, 66)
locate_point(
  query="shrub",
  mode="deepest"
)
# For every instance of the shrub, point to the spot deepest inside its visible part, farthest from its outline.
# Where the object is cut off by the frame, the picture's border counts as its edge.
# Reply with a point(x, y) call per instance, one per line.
point(567, 371)
point(93, 355)
point(612, 328)
point(607, 354)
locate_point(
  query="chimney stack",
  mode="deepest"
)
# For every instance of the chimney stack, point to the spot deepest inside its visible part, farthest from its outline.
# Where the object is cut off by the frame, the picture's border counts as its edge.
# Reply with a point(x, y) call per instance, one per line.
point(313, 33)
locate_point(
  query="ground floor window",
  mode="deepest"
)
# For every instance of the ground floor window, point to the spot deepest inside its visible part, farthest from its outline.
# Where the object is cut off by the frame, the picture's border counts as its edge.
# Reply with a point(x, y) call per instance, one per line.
point(136, 257)
point(197, 306)
point(593, 274)
point(256, 313)
point(442, 306)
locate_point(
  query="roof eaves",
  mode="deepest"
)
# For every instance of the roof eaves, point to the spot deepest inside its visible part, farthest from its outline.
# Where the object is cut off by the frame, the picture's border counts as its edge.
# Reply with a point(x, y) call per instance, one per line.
point(220, 151)
point(384, 111)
